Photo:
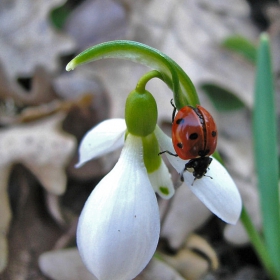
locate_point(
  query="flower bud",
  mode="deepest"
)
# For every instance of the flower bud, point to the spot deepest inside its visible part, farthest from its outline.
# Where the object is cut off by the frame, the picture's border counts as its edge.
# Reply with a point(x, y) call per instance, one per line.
point(140, 113)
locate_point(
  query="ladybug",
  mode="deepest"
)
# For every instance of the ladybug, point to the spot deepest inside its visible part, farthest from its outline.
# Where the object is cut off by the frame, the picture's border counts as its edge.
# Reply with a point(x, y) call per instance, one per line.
point(194, 137)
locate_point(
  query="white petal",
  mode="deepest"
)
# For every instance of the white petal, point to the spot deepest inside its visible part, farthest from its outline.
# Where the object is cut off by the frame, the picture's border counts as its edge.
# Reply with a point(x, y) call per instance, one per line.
point(118, 229)
point(165, 143)
point(106, 137)
point(161, 181)
point(219, 194)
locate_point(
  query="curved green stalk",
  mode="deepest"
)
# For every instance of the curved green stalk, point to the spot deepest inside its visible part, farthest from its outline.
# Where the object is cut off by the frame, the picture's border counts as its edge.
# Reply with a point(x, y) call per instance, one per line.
point(173, 75)
point(140, 87)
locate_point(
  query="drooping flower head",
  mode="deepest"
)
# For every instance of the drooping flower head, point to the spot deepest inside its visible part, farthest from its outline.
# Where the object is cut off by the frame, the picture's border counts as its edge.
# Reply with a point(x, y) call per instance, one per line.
point(119, 227)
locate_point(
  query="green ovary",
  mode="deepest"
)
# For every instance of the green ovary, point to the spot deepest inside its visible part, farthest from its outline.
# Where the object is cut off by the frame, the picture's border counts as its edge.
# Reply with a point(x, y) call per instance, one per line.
point(140, 113)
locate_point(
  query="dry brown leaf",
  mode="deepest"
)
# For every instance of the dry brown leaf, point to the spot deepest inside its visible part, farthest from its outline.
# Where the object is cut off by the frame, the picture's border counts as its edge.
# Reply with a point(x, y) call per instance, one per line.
point(186, 213)
point(64, 265)
point(71, 86)
point(106, 20)
point(159, 270)
point(41, 100)
point(48, 109)
point(235, 144)
point(31, 232)
point(236, 234)
point(27, 38)
point(198, 244)
point(45, 150)
point(41, 90)
point(194, 260)
point(71, 267)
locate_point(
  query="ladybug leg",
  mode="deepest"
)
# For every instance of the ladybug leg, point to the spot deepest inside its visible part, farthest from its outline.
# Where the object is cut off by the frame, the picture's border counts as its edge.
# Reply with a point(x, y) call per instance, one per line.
point(183, 171)
point(174, 110)
point(163, 152)
point(182, 176)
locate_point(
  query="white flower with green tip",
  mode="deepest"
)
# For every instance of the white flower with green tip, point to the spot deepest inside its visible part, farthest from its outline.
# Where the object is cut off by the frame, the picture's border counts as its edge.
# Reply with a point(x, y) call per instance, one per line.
point(118, 229)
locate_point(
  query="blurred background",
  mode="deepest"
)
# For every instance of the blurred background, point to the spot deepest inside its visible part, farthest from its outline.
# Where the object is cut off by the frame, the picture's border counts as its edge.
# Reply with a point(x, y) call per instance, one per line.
point(45, 111)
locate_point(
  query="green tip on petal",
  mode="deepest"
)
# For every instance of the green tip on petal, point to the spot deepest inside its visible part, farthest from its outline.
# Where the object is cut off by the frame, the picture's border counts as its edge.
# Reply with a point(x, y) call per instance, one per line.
point(164, 190)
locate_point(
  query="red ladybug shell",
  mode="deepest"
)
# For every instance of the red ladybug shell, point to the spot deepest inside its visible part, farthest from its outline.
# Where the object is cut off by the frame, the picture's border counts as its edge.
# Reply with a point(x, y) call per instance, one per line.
point(194, 133)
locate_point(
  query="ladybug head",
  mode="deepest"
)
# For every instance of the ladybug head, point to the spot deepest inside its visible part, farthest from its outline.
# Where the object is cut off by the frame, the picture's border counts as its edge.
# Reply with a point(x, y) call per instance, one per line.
point(198, 167)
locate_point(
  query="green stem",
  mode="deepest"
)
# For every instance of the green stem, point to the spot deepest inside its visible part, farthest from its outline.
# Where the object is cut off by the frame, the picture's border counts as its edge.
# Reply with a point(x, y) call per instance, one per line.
point(173, 75)
point(140, 87)
point(258, 243)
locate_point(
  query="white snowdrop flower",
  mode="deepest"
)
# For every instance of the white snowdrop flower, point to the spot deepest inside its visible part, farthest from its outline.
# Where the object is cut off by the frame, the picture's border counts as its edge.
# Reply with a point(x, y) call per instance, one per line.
point(118, 229)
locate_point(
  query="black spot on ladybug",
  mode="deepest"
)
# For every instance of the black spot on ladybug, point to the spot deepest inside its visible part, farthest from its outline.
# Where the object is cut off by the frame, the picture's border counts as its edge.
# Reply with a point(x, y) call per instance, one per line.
point(214, 133)
point(179, 121)
point(193, 136)
point(180, 145)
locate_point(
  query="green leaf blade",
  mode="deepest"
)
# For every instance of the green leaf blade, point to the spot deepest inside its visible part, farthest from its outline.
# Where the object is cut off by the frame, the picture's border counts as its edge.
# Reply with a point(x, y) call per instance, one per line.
point(265, 149)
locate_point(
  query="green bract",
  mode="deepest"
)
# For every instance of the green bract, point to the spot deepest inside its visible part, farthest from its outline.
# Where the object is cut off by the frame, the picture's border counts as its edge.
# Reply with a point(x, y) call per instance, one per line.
point(140, 113)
